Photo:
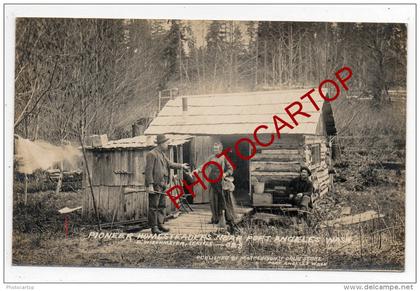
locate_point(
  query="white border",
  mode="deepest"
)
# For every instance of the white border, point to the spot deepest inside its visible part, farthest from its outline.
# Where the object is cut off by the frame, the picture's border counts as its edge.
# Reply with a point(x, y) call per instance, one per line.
point(365, 13)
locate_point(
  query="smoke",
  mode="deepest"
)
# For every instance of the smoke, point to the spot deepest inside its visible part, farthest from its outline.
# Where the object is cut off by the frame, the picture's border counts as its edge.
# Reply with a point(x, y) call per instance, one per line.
point(33, 155)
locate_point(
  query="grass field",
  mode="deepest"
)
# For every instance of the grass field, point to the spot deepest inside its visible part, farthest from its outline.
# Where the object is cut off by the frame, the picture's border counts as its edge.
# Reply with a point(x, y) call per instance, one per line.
point(39, 239)
point(363, 183)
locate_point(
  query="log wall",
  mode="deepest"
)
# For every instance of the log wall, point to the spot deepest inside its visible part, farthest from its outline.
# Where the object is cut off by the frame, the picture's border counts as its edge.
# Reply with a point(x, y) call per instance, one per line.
point(320, 171)
point(279, 163)
point(276, 165)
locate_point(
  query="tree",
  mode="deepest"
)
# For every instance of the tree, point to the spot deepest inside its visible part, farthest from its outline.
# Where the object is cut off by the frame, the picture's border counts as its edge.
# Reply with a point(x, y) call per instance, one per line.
point(89, 76)
point(76, 76)
point(384, 44)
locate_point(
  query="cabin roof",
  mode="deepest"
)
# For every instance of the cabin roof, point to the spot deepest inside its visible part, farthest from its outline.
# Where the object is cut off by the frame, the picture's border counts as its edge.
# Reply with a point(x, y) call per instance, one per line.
point(143, 141)
point(235, 113)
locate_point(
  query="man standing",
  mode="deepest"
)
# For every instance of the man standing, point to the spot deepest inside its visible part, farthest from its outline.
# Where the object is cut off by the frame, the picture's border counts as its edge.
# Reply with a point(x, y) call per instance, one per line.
point(157, 180)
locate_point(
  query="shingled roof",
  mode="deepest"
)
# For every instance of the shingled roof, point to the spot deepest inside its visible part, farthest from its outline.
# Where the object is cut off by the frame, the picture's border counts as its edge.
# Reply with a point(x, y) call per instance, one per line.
point(142, 141)
point(235, 113)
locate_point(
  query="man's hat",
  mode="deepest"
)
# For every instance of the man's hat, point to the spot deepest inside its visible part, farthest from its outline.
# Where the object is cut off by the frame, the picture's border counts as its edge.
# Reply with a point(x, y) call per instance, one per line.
point(306, 169)
point(161, 138)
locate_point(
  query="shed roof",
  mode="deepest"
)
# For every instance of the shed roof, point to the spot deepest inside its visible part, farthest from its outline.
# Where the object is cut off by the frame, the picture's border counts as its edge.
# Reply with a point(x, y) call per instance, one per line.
point(235, 113)
point(143, 141)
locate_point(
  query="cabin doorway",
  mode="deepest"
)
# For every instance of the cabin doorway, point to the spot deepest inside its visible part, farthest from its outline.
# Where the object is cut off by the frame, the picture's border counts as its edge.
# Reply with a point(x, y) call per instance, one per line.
point(241, 174)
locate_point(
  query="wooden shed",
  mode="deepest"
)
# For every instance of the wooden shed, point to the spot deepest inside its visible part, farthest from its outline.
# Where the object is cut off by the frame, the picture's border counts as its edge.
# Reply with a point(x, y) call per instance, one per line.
point(117, 175)
point(228, 117)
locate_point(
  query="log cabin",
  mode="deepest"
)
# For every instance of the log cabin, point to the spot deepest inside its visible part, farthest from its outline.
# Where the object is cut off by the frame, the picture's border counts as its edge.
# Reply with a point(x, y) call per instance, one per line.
point(229, 117)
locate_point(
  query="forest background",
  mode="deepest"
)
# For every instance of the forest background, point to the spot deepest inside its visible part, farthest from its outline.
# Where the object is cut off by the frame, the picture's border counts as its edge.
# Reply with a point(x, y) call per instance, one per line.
point(100, 76)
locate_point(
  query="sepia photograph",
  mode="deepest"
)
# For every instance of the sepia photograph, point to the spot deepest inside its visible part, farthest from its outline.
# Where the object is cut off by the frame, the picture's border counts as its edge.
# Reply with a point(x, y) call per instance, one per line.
point(209, 144)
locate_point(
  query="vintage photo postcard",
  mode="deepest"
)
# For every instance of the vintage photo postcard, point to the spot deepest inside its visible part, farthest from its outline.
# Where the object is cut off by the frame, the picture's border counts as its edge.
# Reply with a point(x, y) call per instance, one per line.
point(210, 144)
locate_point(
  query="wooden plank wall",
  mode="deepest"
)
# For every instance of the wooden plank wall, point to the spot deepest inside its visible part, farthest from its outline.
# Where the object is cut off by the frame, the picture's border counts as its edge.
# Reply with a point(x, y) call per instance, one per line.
point(201, 149)
point(117, 196)
point(104, 164)
point(120, 196)
point(175, 154)
point(115, 203)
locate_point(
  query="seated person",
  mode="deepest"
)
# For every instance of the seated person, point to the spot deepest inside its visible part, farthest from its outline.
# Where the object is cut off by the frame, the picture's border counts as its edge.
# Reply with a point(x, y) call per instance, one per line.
point(301, 188)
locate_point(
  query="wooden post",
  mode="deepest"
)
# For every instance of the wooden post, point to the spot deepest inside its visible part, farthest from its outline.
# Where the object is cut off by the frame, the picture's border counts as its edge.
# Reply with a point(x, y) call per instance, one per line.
point(290, 54)
point(184, 104)
point(26, 190)
point(279, 63)
point(180, 57)
point(326, 50)
point(90, 182)
point(256, 60)
point(159, 104)
point(66, 225)
point(361, 240)
point(60, 177)
point(265, 62)
point(250, 194)
point(60, 180)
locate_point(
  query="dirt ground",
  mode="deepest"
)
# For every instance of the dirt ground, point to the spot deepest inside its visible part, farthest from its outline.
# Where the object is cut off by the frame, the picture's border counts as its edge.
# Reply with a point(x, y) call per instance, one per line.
point(39, 238)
